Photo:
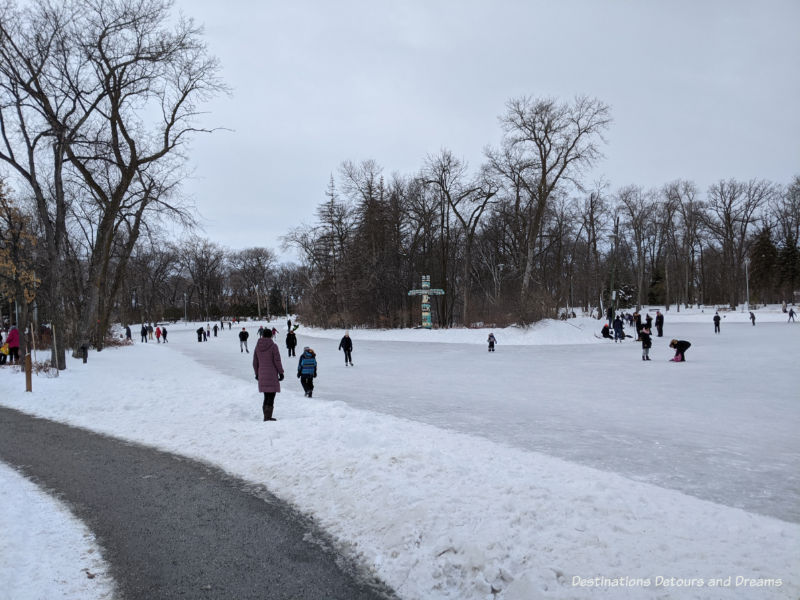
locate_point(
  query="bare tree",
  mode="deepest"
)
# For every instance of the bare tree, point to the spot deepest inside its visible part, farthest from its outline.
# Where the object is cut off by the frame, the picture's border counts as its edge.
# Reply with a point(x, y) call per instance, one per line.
point(557, 142)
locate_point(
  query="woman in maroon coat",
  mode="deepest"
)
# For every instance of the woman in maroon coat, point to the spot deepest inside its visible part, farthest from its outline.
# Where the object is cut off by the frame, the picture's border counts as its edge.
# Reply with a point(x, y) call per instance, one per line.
point(269, 371)
point(13, 345)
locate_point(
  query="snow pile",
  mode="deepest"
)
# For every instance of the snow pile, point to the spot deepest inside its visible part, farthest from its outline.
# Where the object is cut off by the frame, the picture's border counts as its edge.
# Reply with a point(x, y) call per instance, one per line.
point(45, 552)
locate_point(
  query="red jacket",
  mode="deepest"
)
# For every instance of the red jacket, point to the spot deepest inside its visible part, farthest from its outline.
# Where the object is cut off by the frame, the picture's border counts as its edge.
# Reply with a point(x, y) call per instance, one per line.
point(13, 338)
point(267, 365)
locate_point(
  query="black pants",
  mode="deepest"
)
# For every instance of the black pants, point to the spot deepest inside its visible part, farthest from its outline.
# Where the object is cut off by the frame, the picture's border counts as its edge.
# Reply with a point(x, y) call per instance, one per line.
point(13, 355)
point(307, 381)
point(348, 356)
point(291, 351)
point(660, 329)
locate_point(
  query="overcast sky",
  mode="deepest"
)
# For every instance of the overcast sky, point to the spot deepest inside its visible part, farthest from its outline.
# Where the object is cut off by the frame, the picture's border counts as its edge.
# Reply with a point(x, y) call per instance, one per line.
point(700, 90)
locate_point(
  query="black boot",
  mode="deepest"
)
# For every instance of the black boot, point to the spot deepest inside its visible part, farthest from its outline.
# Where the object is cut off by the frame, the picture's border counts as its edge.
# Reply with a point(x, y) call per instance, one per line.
point(268, 412)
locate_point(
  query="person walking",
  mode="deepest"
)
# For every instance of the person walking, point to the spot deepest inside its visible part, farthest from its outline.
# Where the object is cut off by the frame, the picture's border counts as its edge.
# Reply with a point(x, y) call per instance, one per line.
point(128, 335)
point(164, 334)
point(215, 329)
point(753, 318)
point(158, 335)
point(307, 370)
point(291, 342)
point(791, 315)
point(659, 324)
point(680, 346)
point(144, 333)
point(150, 331)
point(647, 342)
point(619, 333)
point(12, 339)
point(347, 345)
point(243, 335)
point(492, 341)
point(268, 370)
point(716, 323)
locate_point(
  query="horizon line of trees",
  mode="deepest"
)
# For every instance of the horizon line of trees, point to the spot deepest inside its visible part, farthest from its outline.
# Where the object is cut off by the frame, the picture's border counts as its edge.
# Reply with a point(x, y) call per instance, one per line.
point(98, 101)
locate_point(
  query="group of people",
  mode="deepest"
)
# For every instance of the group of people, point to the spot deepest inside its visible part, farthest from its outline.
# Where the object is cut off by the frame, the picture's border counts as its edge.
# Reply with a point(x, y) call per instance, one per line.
point(148, 332)
point(9, 346)
point(644, 333)
point(268, 367)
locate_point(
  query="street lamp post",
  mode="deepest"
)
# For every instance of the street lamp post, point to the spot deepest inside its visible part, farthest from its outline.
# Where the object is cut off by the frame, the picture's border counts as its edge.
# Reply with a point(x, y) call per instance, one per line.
point(747, 281)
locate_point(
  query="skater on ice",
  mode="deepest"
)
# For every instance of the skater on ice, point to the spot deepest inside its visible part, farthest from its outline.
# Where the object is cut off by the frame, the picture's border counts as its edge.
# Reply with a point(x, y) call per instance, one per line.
point(291, 342)
point(619, 333)
point(753, 318)
point(492, 341)
point(647, 342)
point(268, 370)
point(680, 346)
point(307, 370)
point(716, 323)
point(243, 335)
point(347, 345)
point(659, 323)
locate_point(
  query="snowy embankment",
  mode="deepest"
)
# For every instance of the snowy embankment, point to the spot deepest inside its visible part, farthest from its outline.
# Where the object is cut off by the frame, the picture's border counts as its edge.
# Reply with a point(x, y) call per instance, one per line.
point(435, 513)
point(45, 552)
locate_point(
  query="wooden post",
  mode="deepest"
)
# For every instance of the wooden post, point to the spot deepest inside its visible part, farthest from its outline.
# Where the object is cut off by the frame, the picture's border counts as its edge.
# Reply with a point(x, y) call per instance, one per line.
point(28, 371)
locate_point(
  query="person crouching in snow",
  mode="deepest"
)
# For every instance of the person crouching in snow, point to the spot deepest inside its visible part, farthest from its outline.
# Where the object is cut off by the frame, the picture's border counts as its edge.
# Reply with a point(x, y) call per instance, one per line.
point(269, 371)
point(647, 342)
point(307, 370)
point(492, 341)
point(681, 346)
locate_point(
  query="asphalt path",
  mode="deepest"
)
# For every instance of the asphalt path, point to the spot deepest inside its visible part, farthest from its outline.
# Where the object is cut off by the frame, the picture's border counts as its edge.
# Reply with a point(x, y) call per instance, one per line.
point(171, 527)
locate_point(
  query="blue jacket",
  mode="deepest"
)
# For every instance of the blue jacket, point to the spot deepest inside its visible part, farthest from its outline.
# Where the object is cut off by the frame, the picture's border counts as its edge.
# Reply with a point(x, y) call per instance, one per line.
point(307, 365)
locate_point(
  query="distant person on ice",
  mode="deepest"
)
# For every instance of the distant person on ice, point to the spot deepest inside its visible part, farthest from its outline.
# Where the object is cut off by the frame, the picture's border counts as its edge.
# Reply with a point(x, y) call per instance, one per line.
point(291, 342)
point(647, 342)
point(269, 371)
point(659, 323)
point(791, 315)
point(347, 345)
point(144, 333)
point(680, 346)
point(619, 333)
point(243, 335)
point(716, 323)
point(492, 341)
point(307, 370)
point(200, 333)
point(753, 318)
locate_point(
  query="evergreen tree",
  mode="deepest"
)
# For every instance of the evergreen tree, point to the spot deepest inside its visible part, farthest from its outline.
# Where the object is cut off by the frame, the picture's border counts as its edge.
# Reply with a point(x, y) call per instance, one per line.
point(763, 267)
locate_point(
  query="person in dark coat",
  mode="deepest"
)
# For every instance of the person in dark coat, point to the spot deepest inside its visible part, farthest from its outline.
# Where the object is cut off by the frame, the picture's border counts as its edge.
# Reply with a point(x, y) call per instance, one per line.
point(269, 371)
point(144, 333)
point(619, 333)
point(128, 333)
point(659, 323)
point(347, 345)
point(680, 346)
point(164, 334)
point(606, 331)
point(243, 335)
point(637, 321)
point(307, 370)
point(647, 342)
point(753, 318)
point(492, 341)
point(200, 333)
point(648, 321)
point(716, 323)
point(291, 342)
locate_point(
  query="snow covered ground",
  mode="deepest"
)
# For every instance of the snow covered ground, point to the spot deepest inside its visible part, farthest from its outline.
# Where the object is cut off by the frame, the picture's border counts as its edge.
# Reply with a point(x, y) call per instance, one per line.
point(561, 466)
point(45, 552)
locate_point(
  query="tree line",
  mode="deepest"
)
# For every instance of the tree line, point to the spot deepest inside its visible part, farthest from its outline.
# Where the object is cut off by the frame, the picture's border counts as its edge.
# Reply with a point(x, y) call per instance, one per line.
point(98, 101)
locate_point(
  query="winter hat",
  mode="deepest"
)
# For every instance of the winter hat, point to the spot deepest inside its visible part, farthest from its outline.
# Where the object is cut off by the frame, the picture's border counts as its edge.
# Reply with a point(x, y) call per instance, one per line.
point(267, 333)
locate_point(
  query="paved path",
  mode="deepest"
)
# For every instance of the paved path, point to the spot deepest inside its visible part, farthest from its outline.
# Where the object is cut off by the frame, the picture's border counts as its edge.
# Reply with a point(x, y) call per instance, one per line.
point(174, 528)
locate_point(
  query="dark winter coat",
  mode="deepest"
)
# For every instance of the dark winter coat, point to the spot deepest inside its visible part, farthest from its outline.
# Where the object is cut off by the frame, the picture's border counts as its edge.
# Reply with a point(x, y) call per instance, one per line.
point(13, 338)
point(307, 365)
point(605, 332)
point(659, 320)
point(682, 346)
point(243, 335)
point(291, 340)
point(645, 336)
point(346, 344)
point(267, 365)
